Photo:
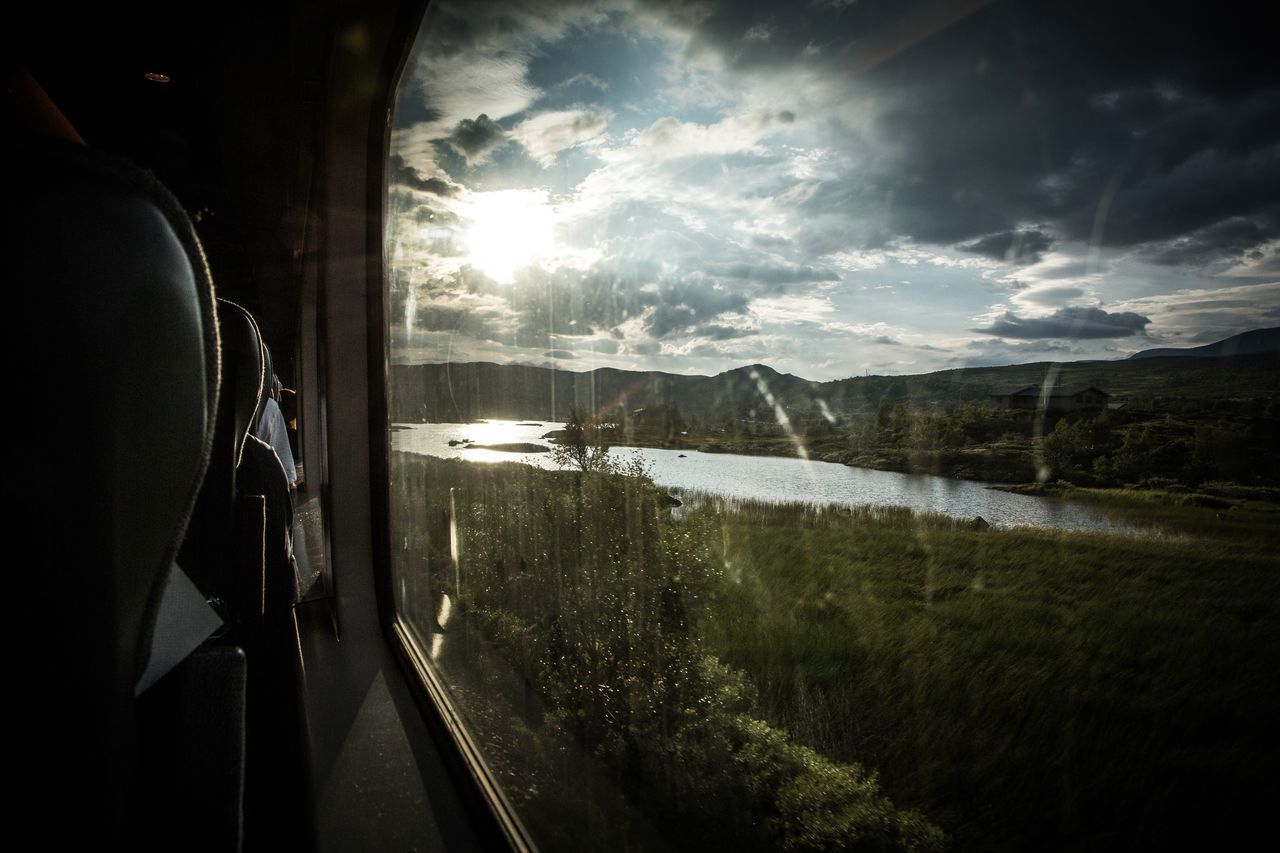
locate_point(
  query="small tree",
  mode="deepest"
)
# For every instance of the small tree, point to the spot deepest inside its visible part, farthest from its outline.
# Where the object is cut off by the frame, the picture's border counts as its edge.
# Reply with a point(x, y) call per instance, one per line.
point(582, 445)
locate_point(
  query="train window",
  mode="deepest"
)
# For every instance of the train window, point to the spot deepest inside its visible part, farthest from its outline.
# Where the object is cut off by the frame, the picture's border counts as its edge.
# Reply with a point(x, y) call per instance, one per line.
point(711, 328)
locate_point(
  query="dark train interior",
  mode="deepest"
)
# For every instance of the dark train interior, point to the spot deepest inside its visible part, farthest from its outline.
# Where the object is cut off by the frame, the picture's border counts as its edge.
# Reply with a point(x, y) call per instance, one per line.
point(259, 128)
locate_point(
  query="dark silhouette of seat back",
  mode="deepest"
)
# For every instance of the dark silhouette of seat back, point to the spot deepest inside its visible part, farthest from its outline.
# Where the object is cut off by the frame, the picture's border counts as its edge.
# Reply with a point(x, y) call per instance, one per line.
point(120, 392)
point(211, 552)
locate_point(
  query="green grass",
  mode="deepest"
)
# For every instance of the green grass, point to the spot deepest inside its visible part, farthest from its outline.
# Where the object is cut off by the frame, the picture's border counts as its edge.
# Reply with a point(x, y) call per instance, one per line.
point(1026, 690)
point(1235, 515)
point(769, 676)
point(581, 588)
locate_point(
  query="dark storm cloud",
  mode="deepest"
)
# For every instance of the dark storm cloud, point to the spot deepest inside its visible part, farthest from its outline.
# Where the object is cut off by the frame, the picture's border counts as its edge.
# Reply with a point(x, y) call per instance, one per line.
point(463, 320)
point(1126, 124)
point(400, 172)
point(1264, 263)
point(1014, 247)
point(455, 28)
point(475, 137)
point(666, 319)
point(1078, 323)
point(682, 303)
point(764, 35)
point(1233, 239)
point(1121, 123)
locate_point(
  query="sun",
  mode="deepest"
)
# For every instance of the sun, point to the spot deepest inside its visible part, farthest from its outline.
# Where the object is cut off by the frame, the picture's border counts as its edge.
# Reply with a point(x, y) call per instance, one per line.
point(509, 229)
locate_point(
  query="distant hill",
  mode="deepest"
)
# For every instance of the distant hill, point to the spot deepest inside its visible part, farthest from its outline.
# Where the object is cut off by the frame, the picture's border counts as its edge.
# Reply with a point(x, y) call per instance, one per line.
point(1245, 343)
point(461, 392)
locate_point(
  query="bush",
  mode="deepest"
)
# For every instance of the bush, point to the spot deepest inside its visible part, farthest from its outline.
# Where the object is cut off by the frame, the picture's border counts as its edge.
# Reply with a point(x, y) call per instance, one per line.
point(582, 583)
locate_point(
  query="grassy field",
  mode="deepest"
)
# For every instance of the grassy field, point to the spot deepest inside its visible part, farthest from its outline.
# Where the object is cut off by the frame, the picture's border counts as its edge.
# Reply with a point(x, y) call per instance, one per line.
point(787, 677)
point(1026, 690)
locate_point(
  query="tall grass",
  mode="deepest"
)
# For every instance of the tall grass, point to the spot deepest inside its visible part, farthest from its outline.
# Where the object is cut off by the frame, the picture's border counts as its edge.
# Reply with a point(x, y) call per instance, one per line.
point(751, 675)
point(1231, 514)
point(584, 589)
point(1027, 690)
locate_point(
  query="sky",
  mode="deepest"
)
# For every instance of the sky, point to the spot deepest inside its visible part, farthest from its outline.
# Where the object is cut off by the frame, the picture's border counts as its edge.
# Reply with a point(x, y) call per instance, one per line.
point(834, 187)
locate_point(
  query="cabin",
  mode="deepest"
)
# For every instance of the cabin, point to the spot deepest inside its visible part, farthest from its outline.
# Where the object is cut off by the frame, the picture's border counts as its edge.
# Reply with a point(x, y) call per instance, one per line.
point(1031, 397)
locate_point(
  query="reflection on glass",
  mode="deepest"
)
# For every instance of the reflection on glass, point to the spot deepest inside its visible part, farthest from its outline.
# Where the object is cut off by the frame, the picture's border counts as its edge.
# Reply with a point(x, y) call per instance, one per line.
point(843, 425)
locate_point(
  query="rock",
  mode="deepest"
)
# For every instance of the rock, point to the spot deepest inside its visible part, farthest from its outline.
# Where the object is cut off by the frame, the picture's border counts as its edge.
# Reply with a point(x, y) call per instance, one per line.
point(979, 523)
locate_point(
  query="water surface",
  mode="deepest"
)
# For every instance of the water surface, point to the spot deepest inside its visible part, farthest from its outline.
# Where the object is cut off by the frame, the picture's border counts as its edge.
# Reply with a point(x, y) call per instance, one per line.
point(772, 478)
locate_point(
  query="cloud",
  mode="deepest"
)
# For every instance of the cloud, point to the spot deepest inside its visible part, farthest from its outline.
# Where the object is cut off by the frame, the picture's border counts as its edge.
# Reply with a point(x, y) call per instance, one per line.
point(1050, 296)
point(584, 79)
point(559, 353)
point(1012, 247)
point(716, 195)
point(1261, 261)
point(670, 137)
point(473, 58)
point(683, 303)
point(475, 138)
point(771, 272)
point(547, 134)
point(721, 332)
point(401, 173)
point(1069, 323)
point(1209, 313)
point(1058, 266)
point(989, 353)
point(793, 309)
point(474, 315)
point(1232, 239)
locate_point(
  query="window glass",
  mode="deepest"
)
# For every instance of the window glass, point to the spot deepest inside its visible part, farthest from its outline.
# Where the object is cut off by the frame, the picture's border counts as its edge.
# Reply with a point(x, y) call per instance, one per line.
point(843, 424)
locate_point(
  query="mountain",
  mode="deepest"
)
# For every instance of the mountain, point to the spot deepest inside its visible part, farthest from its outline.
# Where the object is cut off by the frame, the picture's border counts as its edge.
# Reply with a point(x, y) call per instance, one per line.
point(462, 392)
point(1256, 341)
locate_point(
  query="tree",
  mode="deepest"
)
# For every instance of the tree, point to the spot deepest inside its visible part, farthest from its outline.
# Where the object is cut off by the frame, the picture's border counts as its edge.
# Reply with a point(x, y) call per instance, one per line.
point(883, 412)
point(583, 444)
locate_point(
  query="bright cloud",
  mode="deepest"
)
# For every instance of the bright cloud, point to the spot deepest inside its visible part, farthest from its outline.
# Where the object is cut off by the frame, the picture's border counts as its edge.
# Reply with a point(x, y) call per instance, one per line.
point(547, 134)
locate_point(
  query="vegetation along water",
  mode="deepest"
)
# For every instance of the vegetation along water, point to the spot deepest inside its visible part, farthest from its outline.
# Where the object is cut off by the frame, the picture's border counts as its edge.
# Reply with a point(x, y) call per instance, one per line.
point(784, 676)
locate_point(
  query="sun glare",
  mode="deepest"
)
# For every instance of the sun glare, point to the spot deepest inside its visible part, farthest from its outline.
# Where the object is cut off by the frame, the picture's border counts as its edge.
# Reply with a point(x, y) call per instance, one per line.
point(509, 229)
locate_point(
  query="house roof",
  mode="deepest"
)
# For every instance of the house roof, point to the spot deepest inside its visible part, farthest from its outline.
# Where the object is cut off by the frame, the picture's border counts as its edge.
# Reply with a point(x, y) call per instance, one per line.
point(1034, 391)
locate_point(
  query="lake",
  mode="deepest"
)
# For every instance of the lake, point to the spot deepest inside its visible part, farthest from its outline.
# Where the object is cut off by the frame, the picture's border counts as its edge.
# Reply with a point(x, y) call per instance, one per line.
point(771, 478)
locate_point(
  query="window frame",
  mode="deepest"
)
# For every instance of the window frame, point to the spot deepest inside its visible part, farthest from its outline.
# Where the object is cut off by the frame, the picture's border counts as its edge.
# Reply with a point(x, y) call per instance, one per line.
point(406, 777)
point(448, 723)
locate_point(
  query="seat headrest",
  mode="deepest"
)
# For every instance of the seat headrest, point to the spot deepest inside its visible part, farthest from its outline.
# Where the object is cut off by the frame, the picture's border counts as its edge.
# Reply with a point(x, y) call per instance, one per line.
point(243, 370)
